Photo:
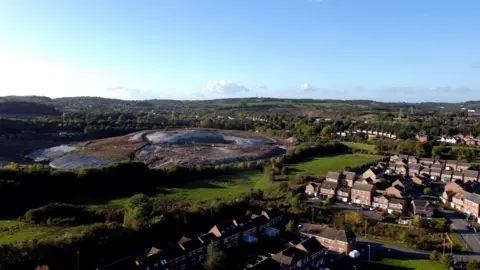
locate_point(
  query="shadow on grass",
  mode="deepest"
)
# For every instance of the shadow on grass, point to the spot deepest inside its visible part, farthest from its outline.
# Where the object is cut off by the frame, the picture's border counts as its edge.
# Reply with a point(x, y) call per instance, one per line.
point(378, 266)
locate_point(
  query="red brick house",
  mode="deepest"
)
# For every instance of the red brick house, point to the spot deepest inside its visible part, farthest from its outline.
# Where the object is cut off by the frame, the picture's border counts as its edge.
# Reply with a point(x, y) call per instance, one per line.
point(340, 241)
point(458, 200)
point(413, 160)
point(380, 201)
point(312, 189)
point(362, 193)
point(422, 138)
point(471, 205)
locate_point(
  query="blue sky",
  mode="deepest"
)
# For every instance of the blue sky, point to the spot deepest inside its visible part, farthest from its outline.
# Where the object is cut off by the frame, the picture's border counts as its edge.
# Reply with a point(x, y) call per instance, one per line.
point(398, 50)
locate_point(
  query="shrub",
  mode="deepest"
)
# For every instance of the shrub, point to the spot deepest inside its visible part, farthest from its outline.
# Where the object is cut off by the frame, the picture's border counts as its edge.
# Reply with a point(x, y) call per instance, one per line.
point(62, 214)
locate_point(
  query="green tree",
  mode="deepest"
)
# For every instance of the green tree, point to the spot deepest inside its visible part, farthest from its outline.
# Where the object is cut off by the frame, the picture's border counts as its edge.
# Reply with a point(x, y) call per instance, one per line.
point(447, 260)
point(121, 118)
point(427, 191)
point(434, 256)
point(473, 265)
point(417, 220)
point(292, 225)
point(215, 259)
point(326, 130)
point(295, 200)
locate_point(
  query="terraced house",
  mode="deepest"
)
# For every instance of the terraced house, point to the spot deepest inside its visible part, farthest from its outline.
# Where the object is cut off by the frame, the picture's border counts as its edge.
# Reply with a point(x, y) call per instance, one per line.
point(328, 189)
point(228, 232)
point(446, 175)
point(349, 178)
point(343, 194)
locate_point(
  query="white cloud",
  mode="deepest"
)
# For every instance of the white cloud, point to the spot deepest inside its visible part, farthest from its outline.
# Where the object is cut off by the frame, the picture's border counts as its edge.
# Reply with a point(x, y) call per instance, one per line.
point(224, 87)
point(261, 86)
point(307, 87)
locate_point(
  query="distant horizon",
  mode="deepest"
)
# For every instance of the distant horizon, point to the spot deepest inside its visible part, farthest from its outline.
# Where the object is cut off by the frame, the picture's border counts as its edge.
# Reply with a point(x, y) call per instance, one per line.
point(239, 98)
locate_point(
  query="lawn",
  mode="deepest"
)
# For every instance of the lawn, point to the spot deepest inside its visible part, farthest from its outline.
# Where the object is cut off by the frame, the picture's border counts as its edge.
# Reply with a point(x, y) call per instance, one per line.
point(361, 146)
point(320, 166)
point(456, 242)
point(396, 261)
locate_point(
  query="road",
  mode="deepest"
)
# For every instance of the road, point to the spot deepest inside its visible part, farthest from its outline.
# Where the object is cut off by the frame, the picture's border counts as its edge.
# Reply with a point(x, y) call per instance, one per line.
point(471, 239)
point(364, 245)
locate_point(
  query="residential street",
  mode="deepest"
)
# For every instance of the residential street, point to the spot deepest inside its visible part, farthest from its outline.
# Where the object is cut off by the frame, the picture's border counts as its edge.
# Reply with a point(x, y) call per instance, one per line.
point(470, 238)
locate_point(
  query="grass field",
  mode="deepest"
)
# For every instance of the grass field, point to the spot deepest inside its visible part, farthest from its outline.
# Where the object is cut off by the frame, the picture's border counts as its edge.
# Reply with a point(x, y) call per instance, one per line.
point(361, 146)
point(17, 231)
point(322, 165)
point(395, 261)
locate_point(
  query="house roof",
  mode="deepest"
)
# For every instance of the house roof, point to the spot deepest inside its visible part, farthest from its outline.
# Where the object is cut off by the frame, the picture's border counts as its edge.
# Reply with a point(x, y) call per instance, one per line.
point(415, 167)
point(311, 245)
point(397, 187)
point(464, 164)
point(444, 172)
point(174, 252)
point(345, 189)
point(350, 175)
point(436, 167)
point(260, 220)
point(420, 203)
point(362, 187)
point(333, 175)
point(328, 233)
point(375, 170)
point(192, 244)
point(227, 228)
point(207, 238)
point(329, 185)
point(460, 195)
point(470, 173)
point(473, 197)
point(183, 240)
point(455, 173)
point(397, 201)
point(451, 162)
point(313, 184)
point(289, 255)
point(427, 160)
point(273, 213)
point(243, 220)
